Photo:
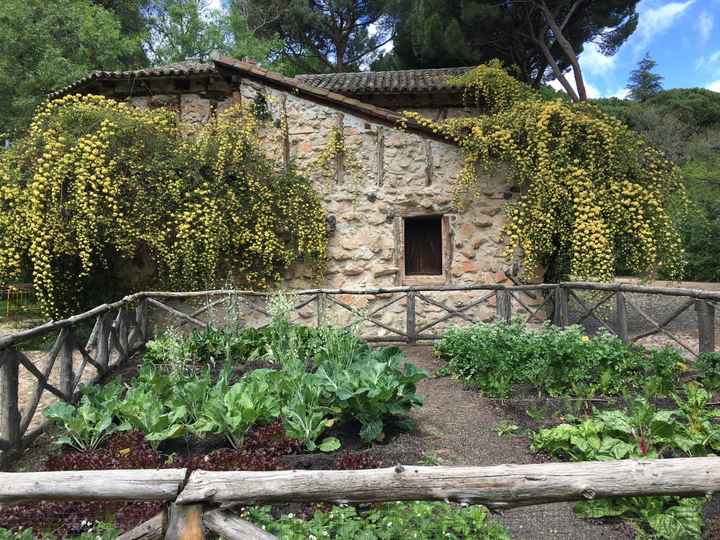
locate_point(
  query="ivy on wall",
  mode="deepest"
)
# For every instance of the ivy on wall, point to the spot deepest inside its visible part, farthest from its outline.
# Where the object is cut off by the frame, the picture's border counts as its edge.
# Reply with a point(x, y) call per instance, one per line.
point(593, 192)
point(96, 180)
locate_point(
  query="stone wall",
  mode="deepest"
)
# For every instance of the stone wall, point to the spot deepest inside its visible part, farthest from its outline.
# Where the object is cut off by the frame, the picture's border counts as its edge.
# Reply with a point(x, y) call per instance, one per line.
point(386, 175)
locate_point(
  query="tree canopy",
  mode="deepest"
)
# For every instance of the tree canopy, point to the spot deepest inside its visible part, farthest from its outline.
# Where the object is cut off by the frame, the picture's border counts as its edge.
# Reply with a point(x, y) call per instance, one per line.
point(643, 83)
point(534, 36)
point(47, 45)
point(324, 35)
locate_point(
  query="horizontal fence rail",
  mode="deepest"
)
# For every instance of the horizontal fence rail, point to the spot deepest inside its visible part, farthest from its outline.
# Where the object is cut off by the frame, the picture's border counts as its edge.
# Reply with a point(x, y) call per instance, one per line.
point(206, 498)
point(394, 314)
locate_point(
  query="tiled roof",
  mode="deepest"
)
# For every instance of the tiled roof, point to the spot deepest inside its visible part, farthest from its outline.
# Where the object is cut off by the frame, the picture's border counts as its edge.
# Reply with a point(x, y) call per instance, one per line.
point(180, 69)
point(387, 82)
point(310, 91)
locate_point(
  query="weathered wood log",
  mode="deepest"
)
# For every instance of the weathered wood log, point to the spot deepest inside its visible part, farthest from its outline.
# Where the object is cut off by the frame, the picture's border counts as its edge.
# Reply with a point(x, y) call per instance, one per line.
point(706, 325)
point(41, 378)
point(40, 388)
point(429, 165)
point(177, 313)
point(642, 289)
point(621, 316)
point(103, 343)
point(354, 311)
point(67, 377)
point(185, 523)
point(152, 529)
point(501, 486)
point(658, 326)
point(51, 326)
point(450, 311)
point(232, 527)
point(561, 300)
point(139, 484)
point(503, 306)
point(9, 410)
point(410, 318)
point(380, 155)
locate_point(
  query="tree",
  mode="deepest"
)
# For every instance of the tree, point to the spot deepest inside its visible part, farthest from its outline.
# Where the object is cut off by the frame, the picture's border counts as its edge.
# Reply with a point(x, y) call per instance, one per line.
point(47, 45)
point(530, 35)
point(325, 35)
point(643, 83)
point(182, 29)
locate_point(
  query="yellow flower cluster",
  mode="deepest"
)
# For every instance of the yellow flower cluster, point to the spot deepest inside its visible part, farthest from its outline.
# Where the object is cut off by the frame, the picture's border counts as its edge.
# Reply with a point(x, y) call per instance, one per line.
point(592, 191)
point(97, 180)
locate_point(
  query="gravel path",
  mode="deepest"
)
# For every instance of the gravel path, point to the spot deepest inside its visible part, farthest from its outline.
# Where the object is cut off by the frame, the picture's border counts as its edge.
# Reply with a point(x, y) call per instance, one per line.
point(458, 427)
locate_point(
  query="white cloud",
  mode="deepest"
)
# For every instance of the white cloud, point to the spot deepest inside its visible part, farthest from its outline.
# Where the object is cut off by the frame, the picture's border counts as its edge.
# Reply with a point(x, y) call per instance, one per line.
point(594, 62)
point(714, 86)
point(654, 21)
point(592, 91)
point(704, 26)
point(709, 62)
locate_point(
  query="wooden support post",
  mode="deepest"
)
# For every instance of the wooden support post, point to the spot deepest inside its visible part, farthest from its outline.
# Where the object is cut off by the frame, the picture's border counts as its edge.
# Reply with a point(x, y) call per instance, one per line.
point(321, 306)
point(10, 411)
point(102, 347)
point(67, 377)
point(560, 317)
point(410, 317)
point(706, 326)
point(380, 155)
point(285, 132)
point(503, 306)
point(141, 324)
point(340, 152)
point(185, 522)
point(429, 166)
point(621, 316)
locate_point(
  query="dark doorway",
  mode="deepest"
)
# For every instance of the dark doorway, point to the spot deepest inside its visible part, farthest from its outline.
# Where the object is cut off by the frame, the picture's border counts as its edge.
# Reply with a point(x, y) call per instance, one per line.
point(423, 246)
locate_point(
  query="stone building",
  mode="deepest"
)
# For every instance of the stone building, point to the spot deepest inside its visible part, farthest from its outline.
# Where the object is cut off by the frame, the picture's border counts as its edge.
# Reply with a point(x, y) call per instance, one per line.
point(388, 198)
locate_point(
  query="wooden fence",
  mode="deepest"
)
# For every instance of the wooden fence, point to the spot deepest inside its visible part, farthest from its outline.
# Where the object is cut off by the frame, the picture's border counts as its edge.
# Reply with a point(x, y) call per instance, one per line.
point(121, 329)
point(204, 499)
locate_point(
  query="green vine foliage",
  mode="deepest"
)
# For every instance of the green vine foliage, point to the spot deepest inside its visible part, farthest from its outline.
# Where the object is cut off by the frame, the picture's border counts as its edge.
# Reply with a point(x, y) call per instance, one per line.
point(97, 181)
point(593, 192)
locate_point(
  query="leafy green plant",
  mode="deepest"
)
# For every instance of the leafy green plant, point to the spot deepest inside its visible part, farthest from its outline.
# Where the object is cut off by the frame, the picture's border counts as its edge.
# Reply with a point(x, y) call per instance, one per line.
point(306, 419)
point(643, 432)
point(234, 410)
point(98, 531)
point(391, 521)
point(371, 388)
point(89, 423)
point(557, 362)
point(506, 429)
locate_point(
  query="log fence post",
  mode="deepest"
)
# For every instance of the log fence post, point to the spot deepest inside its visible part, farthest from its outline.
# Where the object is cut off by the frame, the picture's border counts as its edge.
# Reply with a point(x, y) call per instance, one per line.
point(503, 306)
point(560, 316)
point(621, 316)
point(321, 300)
point(102, 344)
point(67, 377)
point(410, 318)
point(706, 325)
point(185, 522)
point(10, 410)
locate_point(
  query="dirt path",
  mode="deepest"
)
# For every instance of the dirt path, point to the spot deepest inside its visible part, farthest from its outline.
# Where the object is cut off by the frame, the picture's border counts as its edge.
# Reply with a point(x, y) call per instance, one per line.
point(458, 427)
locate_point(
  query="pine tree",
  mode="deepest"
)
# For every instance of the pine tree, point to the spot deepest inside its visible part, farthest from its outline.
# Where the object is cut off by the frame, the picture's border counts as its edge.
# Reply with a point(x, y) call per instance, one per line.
point(643, 82)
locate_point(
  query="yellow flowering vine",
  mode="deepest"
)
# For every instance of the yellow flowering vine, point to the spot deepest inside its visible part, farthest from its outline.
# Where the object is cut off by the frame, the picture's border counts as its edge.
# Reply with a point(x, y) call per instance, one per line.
point(97, 181)
point(590, 189)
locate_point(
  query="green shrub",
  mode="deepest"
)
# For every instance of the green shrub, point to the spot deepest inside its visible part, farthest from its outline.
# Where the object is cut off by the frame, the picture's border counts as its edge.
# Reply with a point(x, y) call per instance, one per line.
point(392, 521)
point(99, 531)
point(644, 432)
point(556, 362)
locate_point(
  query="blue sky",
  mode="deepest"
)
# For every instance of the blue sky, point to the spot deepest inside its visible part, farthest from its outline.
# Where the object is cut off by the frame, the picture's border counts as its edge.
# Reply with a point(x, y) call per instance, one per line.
point(683, 37)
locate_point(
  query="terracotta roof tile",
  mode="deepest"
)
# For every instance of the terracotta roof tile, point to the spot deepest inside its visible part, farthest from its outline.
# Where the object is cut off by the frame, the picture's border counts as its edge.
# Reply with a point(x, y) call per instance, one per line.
point(187, 67)
point(387, 82)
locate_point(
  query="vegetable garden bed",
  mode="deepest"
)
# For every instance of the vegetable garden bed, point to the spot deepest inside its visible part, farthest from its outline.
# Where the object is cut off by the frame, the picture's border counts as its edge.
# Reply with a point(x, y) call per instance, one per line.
point(586, 398)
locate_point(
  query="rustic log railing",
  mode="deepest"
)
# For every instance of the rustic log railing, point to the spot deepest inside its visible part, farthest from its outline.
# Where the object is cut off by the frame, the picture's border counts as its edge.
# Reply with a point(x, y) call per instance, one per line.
point(121, 329)
point(204, 499)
